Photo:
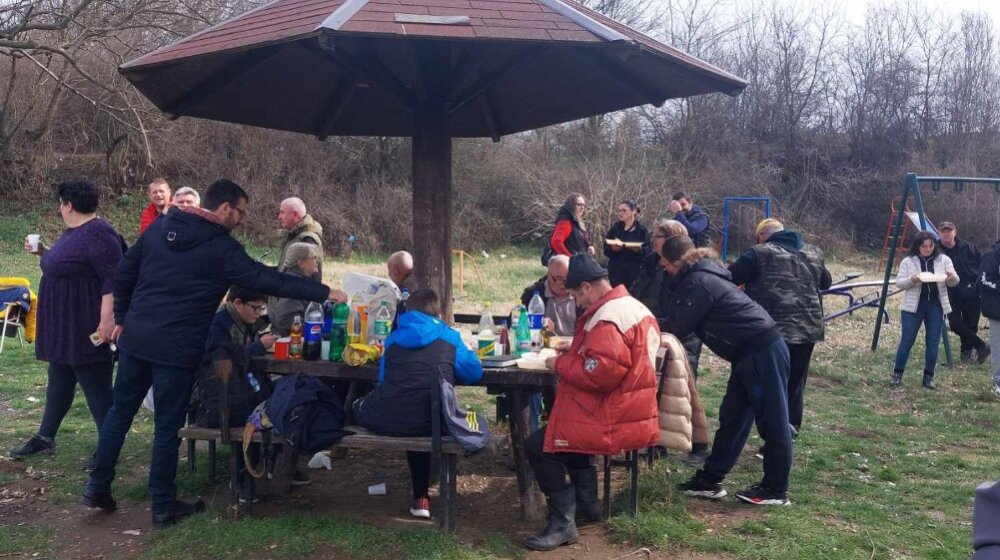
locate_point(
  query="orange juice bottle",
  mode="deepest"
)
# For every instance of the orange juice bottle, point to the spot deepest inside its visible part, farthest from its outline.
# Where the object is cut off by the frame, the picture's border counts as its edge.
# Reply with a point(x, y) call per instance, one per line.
point(295, 344)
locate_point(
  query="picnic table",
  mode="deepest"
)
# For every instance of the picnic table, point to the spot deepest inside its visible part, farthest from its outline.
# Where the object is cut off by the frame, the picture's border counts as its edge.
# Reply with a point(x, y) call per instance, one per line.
point(516, 383)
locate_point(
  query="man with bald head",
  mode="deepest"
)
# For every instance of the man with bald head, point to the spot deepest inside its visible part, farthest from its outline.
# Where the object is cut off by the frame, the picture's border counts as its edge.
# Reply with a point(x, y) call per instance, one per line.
point(400, 267)
point(560, 308)
point(299, 227)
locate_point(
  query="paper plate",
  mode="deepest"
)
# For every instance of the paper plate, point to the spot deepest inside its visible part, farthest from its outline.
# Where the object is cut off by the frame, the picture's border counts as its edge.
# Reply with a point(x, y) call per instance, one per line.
point(536, 360)
point(931, 277)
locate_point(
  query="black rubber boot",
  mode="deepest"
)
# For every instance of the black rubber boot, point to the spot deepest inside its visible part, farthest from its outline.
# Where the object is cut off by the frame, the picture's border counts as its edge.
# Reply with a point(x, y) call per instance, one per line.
point(929, 381)
point(588, 507)
point(180, 511)
point(560, 529)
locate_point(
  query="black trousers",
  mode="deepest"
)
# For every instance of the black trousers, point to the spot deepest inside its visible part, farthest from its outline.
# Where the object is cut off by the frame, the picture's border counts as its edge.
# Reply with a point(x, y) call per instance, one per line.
point(551, 468)
point(94, 379)
point(964, 321)
point(692, 344)
point(420, 472)
point(799, 357)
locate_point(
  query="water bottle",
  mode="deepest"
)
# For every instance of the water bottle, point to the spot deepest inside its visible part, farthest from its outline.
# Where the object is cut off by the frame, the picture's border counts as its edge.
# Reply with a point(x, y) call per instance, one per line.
point(338, 331)
point(383, 321)
point(313, 332)
point(295, 344)
point(405, 295)
point(355, 333)
point(536, 314)
point(486, 340)
point(523, 333)
point(254, 384)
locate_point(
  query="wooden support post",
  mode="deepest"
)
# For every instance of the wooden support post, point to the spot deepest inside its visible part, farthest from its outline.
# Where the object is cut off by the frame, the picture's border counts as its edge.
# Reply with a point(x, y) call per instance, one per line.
point(432, 190)
point(532, 500)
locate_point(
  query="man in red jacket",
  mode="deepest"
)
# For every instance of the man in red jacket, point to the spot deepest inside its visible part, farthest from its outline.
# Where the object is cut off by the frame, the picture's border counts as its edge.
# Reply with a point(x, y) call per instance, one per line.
point(606, 402)
point(159, 201)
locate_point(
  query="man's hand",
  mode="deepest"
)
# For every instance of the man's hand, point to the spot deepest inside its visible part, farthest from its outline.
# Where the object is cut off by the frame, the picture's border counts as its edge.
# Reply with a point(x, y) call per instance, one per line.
point(590, 250)
point(115, 333)
point(563, 346)
point(548, 325)
point(268, 340)
point(915, 278)
point(337, 295)
point(550, 363)
point(949, 275)
point(674, 206)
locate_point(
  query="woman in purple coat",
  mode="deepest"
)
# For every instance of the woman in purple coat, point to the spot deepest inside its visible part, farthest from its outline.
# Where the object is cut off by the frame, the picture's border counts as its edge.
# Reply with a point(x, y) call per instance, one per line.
point(74, 302)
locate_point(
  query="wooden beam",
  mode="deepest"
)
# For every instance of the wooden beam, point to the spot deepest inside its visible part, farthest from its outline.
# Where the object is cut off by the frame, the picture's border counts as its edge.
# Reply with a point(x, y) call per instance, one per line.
point(490, 116)
point(622, 75)
point(366, 69)
point(461, 99)
point(334, 107)
point(238, 67)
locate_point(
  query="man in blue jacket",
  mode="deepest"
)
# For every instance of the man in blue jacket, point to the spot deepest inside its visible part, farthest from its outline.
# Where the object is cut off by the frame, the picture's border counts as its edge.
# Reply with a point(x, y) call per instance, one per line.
point(401, 404)
point(694, 219)
point(167, 289)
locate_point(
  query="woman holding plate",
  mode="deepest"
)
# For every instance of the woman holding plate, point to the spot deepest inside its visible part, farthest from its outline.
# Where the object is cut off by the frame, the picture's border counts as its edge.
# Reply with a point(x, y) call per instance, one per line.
point(624, 245)
point(925, 275)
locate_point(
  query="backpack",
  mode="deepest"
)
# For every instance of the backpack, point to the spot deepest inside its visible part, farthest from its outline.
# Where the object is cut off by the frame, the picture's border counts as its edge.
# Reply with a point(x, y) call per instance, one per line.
point(470, 429)
point(547, 253)
point(308, 414)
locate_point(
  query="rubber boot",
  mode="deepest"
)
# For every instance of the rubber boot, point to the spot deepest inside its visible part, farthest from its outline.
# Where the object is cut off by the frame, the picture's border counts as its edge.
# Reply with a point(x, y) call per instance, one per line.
point(588, 507)
point(929, 381)
point(560, 529)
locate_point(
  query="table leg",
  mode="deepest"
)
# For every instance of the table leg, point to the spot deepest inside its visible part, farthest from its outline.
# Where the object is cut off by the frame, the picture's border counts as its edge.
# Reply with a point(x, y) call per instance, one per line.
point(532, 500)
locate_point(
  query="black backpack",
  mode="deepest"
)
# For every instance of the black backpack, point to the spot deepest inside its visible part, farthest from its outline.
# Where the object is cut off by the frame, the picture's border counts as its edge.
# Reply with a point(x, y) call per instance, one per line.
point(307, 413)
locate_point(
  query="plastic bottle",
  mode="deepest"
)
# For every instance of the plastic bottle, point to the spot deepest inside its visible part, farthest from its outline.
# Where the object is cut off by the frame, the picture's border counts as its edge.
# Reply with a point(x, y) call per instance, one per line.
point(503, 347)
point(486, 338)
point(295, 344)
point(536, 314)
point(338, 331)
point(363, 315)
point(405, 295)
point(383, 321)
point(523, 333)
point(354, 332)
point(313, 335)
point(254, 384)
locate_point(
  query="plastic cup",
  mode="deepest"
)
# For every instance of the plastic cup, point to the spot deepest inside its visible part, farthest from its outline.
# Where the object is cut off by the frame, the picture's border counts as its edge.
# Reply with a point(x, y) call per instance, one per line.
point(281, 347)
point(377, 489)
point(33, 241)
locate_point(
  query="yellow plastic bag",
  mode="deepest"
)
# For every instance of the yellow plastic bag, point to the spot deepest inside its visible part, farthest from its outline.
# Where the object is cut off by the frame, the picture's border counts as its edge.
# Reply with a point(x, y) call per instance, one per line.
point(357, 354)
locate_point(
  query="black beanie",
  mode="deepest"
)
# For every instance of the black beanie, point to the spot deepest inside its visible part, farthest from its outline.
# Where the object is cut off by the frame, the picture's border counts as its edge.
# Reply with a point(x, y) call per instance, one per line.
point(583, 268)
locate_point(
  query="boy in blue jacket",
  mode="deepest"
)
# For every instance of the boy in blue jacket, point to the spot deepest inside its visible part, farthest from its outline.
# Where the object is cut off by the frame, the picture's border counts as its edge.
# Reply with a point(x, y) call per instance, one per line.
point(422, 346)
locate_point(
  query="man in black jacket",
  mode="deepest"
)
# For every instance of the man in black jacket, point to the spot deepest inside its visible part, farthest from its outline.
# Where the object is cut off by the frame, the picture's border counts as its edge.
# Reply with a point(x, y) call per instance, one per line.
point(168, 287)
point(989, 294)
point(692, 216)
point(705, 301)
point(786, 276)
point(964, 298)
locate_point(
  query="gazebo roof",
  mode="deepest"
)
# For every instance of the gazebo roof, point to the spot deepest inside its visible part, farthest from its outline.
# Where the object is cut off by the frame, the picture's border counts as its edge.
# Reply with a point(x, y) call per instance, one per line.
point(504, 20)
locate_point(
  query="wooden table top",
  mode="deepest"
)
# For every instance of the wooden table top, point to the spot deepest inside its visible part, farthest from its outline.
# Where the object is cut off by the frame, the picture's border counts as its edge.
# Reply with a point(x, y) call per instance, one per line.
point(508, 377)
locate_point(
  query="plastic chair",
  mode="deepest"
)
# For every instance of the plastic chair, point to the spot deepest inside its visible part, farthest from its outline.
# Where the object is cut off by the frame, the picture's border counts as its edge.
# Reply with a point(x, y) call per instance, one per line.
point(13, 317)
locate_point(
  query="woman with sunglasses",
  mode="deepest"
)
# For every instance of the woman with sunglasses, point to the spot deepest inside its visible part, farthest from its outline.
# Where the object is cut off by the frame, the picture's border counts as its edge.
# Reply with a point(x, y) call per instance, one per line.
point(925, 275)
point(624, 261)
point(302, 260)
point(570, 235)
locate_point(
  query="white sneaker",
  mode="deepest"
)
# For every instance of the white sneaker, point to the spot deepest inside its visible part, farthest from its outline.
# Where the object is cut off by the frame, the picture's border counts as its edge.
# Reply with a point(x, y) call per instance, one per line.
point(996, 390)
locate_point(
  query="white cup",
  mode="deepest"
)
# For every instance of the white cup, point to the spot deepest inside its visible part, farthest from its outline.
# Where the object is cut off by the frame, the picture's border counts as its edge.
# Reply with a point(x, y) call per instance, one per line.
point(377, 489)
point(33, 241)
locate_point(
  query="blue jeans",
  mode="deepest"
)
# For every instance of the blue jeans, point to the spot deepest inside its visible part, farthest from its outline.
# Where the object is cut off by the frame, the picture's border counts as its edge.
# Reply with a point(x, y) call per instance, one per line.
point(171, 393)
point(757, 392)
point(930, 314)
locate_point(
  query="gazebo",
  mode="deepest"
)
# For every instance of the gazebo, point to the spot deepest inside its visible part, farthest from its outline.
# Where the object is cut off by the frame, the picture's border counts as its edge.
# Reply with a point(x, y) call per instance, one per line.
point(432, 70)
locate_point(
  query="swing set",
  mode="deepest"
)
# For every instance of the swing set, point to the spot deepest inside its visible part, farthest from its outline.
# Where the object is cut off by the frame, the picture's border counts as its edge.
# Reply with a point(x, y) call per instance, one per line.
point(911, 187)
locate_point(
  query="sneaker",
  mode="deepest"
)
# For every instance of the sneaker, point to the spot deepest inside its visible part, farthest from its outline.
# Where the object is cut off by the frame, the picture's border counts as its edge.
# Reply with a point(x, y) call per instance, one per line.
point(99, 500)
point(760, 453)
point(300, 478)
point(181, 511)
point(982, 354)
point(421, 507)
point(760, 495)
point(966, 357)
point(896, 380)
point(37, 444)
point(696, 458)
point(996, 390)
point(698, 487)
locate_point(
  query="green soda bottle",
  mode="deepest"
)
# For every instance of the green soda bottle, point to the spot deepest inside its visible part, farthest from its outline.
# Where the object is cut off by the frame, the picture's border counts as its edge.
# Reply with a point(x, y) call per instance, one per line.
point(338, 331)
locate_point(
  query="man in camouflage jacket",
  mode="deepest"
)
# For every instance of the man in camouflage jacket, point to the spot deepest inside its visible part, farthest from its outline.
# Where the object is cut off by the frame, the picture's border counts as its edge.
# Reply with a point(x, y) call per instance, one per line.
point(785, 275)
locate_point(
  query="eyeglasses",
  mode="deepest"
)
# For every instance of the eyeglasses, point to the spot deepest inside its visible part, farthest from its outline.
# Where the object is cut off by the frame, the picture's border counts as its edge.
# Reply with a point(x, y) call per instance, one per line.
point(557, 279)
point(258, 308)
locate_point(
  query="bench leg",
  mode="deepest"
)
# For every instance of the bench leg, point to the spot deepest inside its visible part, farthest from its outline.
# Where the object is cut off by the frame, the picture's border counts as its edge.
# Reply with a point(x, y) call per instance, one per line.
point(211, 460)
point(444, 491)
point(452, 506)
point(633, 498)
point(235, 464)
point(190, 455)
point(248, 492)
point(607, 487)
point(532, 501)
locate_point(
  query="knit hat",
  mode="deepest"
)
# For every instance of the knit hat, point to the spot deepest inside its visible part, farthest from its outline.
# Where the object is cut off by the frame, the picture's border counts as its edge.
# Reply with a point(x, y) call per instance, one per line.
point(768, 223)
point(583, 268)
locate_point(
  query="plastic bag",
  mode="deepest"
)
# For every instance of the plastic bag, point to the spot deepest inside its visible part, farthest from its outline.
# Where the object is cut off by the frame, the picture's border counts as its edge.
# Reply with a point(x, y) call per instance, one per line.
point(371, 291)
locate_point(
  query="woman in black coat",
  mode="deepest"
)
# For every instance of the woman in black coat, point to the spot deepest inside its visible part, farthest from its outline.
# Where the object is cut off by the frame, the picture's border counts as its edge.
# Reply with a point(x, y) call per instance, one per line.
point(624, 262)
point(570, 235)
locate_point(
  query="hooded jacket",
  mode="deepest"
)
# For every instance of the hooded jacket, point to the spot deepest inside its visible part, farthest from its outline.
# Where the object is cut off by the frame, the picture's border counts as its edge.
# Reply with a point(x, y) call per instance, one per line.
point(786, 276)
point(704, 300)
point(307, 230)
point(681, 415)
point(989, 283)
point(171, 281)
point(967, 262)
point(568, 237)
point(606, 402)
point(909, 266)
point(401, 403)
